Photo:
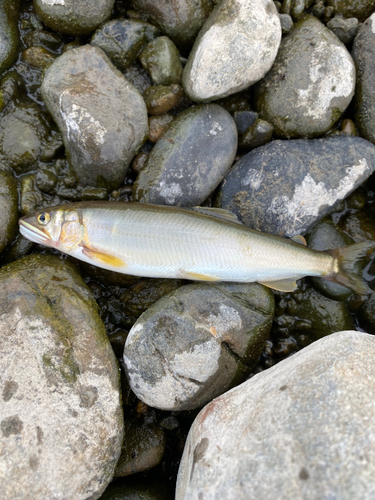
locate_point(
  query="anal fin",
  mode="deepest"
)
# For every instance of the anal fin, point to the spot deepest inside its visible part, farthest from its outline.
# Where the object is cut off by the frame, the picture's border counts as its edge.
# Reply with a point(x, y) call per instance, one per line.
point(99, 258)
point(284, 285)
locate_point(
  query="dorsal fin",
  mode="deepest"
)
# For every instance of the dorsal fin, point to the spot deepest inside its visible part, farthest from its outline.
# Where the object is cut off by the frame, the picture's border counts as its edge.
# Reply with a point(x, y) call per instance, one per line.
point(219, 213)
point(299, 239)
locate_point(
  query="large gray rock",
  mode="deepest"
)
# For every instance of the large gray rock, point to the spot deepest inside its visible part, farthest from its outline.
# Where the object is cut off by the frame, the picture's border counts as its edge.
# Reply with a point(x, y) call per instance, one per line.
point(8, 207)
point(285, 187)
point(102, 117)
point(235, 48)
point(364, 57)
point(61, 421)
point(190, 159)
point(9, 39)
point(302, 429)
point(196, 343)
point(73, 17)
point(311, 83)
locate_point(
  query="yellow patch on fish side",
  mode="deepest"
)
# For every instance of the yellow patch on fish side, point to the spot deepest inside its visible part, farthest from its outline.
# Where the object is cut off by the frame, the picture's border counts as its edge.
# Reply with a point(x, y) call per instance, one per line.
point(103, 258)
point(197, 277)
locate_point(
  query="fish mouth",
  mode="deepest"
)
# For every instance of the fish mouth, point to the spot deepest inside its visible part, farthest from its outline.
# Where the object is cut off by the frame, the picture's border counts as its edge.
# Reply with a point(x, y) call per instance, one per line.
point(32, 233)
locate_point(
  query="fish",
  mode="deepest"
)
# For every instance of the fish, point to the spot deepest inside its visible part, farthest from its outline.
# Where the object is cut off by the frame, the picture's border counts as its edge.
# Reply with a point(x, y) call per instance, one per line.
point(199, 244)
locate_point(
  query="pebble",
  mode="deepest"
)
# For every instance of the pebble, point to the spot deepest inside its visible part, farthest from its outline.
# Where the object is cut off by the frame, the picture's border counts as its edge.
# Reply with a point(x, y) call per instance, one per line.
point(9, 38)
point(55, 351)
point(360, 9)
point(8, 207)
point(161, 98)
point(344, 29)
point(190, 159)
point(101, 116)
point(73, 17)
point(302, 429)
point(311, 83)
point(258, 134)
point(196, 343)
point(38, 57)
point(162, 60)
point(158, 125)
point(285, 187)
point(364, 57)
point(235, 48)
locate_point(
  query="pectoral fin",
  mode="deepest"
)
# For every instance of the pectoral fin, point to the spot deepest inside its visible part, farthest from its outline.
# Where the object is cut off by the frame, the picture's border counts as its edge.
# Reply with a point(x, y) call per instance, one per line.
point(285, 285)
point(299, 239)
point(100, 258)
point(197, 277)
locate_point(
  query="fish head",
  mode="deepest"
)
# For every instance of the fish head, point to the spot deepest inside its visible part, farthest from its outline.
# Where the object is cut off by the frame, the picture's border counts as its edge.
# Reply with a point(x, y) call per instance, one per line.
point(58, 227)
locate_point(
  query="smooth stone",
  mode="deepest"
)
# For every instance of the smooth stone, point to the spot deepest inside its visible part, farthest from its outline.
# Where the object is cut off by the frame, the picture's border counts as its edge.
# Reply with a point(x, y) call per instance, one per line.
point(364, 57)
point(311, 83)
point(44, 38)
point(138, 77)
point(190, 159)
point(101, 116)
point(235, 48)
point(256, 135)
point(123, 40)
point(73, 17)
point(286, 22)
point(162, 98)
point(196, 343)
point(55, 351)
point(162, 60)
point(8, 207)
point(180, 20)
point(9, 38)
point(285, 187)
point(158, 125)
point(301, 429)
point(24, 133)
point(360, 9)
point(344, 29)
point(327, 236)
point(38, 57)
point(244, 120)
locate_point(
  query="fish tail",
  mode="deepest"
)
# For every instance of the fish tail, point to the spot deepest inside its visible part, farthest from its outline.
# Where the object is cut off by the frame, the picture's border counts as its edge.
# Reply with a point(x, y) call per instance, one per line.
point(347, 271)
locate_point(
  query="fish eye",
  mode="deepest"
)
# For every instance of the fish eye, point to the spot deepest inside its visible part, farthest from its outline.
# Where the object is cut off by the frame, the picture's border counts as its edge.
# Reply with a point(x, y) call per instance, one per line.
point(43, 218)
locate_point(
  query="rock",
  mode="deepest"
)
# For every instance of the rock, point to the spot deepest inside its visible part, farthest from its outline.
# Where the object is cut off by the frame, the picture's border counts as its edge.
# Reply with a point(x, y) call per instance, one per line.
point(244, 120)
point(38, 57)
point(190, 159)
point(181, 20)
point(9, 39)
point(158, 125)
point(136, 488)
point(364, 57)
point(43, 38)
point(359, 225)
point(162, 60)
point(123, 39)
point(302, 429)
point(24, 133)
point(55, 351)
point(258, 134)
point(161, 98)
point(311, 83)
point(196, 342)
point(8, 207)
point(286, 22)
point(138, 77)
point(101, 116)
point(73, 17)
point(235, 48)
point(285, 187)
point(366, 313)
point(344, 29)
point(361, 9)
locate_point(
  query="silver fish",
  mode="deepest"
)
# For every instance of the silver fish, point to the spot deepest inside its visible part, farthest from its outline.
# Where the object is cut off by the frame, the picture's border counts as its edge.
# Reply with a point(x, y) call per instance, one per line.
point(202, 244)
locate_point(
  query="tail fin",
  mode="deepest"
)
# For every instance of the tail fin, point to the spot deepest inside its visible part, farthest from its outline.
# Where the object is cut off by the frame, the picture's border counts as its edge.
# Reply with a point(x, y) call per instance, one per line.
point(347, 257)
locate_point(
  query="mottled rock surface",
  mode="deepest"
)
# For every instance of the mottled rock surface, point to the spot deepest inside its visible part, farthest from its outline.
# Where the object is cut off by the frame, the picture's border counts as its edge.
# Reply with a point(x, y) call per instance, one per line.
point(73, 17)
point(190, 159)
point(8, 207)
point(196, 343)
point(102, 117)
point(61, 422)
point(235, 48)
point(162, 60)
point(9, 39)
point(311, 83)
point(285, 187)
point(302, 429)
point(364, 57)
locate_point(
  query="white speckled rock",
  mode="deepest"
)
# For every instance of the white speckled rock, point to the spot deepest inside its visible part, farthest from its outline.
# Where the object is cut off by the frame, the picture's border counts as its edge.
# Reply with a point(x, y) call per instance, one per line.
point(235, 48)
point(102, 117)
point(304, 429)
point(311, 83)
point(61, 420)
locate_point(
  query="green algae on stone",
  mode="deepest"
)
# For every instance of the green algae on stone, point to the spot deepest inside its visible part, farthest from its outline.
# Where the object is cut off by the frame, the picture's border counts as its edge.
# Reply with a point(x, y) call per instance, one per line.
point(162, 60)
point(38, 57)
point(9, 38)
point(8, 207)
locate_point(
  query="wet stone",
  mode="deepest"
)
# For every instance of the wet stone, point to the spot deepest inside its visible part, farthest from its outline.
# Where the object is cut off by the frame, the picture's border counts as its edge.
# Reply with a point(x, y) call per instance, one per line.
point(161, 99)
point(138, 76)
point(235, 48)
point(52, 41)
point(295, 416)
point(8, 207)
point(364, 57)
point(73, 17)
point(256, 135)
point(9, 38)
point(311, 83)
point(367, 314)
point(344, 29)
point(158, 125)
point(286, 22)
point(162, 60)
point(123, 39)
point(180, 20)
point(38, 57)
point(190, 159)
point(50, 324)
point(101, 116)
point(360, 9)
point(285, 187)
point(196, 343)
point(244, 120)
